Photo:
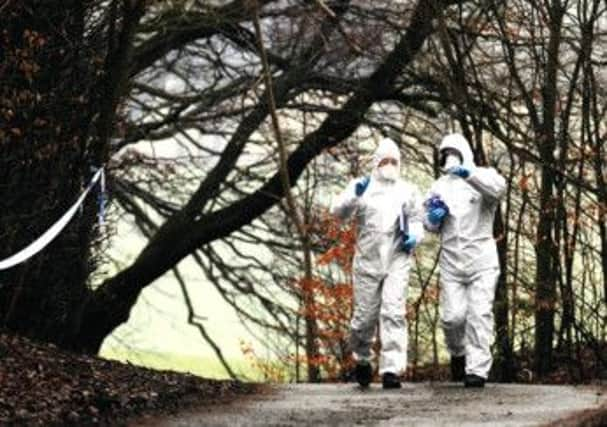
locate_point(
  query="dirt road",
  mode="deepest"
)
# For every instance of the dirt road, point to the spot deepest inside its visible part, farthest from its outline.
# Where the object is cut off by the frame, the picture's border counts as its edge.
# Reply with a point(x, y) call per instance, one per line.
point(425, 404)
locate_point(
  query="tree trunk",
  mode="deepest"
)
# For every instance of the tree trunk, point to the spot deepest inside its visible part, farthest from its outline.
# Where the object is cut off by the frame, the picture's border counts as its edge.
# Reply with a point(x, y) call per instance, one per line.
point(546, 259)
point(545, 296)
point(45, 115)
point(504, 361)
point(599, 158)
point(63, 86)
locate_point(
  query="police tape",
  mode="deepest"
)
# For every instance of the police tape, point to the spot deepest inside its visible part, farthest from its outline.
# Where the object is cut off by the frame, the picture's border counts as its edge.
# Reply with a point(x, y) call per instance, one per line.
point(49, 235)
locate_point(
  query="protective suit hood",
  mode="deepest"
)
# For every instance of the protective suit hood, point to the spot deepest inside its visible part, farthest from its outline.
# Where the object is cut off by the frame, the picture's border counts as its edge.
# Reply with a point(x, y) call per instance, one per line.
point(458, 142)
point(386, 148)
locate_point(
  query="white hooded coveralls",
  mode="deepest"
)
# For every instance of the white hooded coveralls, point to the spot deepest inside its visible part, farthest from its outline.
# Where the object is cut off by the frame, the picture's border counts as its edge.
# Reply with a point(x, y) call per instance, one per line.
point(469, 263)
point(380, 266)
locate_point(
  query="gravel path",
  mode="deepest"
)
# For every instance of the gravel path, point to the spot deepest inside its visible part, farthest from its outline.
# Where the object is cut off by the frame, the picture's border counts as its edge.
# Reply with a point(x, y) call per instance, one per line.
point(419, 404)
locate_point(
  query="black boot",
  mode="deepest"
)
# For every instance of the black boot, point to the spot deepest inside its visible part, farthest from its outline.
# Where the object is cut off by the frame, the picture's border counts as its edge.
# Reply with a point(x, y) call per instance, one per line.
point(474, 381)
point(390, 380)
point(363, 373)
point(458, 368)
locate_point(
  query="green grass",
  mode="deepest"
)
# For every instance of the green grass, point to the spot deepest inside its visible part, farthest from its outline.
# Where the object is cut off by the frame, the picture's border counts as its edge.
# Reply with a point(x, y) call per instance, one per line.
point(202, 366)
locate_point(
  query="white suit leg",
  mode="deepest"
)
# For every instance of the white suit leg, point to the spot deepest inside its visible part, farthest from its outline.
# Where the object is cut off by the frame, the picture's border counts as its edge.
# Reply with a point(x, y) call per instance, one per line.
point(479, 323)
point(453, 317)
point(392, 321)
point(365, 315)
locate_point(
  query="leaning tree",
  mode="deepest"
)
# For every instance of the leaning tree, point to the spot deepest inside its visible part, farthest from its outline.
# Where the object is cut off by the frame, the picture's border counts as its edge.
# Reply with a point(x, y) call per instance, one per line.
point(78, 75)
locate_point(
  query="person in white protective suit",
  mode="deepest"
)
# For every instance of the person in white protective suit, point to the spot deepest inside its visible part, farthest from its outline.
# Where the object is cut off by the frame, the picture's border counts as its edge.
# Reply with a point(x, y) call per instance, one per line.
point(461, 207)
point(389, 215)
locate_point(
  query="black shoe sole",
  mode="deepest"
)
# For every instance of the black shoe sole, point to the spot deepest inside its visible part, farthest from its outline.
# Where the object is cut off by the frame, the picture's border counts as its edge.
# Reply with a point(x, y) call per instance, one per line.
point(363, 378)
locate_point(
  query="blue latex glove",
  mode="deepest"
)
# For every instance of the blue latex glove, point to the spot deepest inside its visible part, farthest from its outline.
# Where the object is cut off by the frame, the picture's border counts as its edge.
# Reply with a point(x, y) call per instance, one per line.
point(361, 186)
point(436, 202)
point(436, 215)
point(460, 171)
point(408, 243)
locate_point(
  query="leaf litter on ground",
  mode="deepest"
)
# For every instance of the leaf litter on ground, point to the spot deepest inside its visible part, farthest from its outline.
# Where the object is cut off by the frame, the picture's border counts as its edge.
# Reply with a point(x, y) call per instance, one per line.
point(41, 384)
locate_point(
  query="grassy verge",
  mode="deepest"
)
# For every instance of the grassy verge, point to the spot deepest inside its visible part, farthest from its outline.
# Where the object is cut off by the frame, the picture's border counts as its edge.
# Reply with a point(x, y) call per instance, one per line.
point(207, 367)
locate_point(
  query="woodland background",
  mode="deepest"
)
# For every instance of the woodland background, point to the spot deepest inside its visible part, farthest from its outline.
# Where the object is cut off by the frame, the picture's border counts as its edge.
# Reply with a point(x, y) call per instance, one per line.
point(265, 109)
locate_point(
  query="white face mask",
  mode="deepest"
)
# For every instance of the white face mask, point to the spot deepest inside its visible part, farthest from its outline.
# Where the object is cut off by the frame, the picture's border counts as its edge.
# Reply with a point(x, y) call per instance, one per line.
point(451, 161)
point(388, 172)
